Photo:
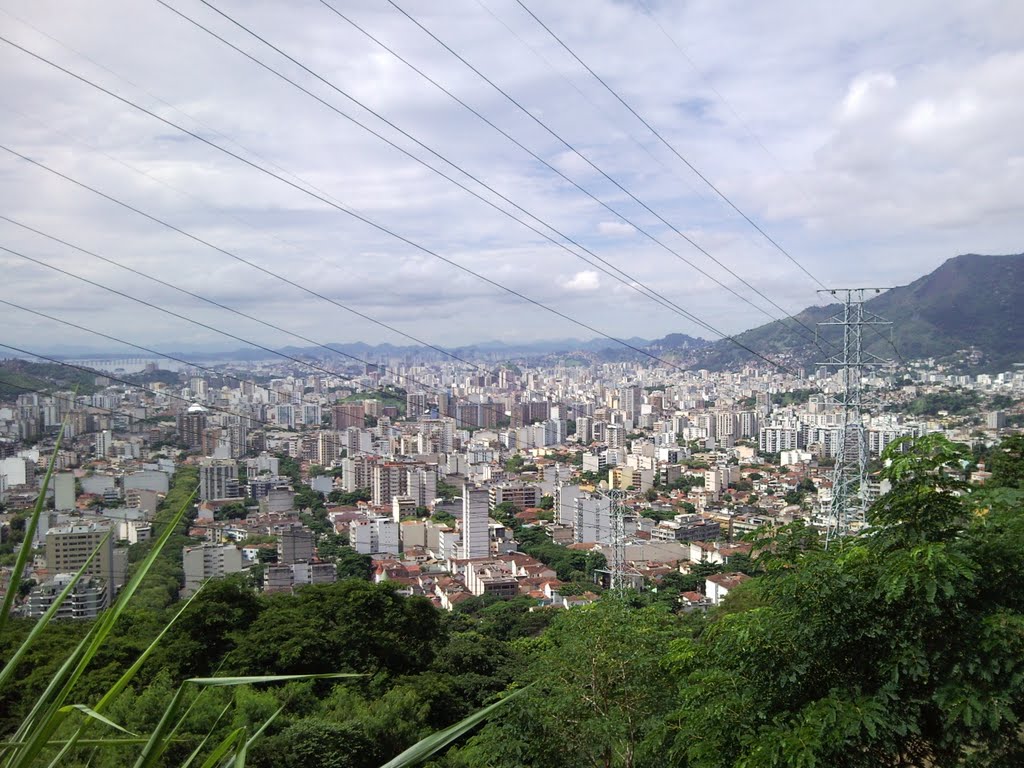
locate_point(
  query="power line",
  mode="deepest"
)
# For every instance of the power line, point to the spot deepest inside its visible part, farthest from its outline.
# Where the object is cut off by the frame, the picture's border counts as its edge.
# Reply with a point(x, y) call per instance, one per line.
point(494, 408)
point(126, 383)
point(707, 81)
point(301, 362)
point(166, 355)
point(337, 206)
point(671, 148)
point(629, 281)
point(603, 173)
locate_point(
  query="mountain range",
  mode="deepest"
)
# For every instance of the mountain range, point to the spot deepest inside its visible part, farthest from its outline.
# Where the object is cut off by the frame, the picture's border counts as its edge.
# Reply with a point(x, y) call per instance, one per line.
point(969, 311)
point(972, 304)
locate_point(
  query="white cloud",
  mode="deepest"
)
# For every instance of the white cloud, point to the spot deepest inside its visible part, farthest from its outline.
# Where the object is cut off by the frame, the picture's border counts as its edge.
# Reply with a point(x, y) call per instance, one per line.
point(583, 282)
point(616, 228)
point(863, 92)
point(892, 138)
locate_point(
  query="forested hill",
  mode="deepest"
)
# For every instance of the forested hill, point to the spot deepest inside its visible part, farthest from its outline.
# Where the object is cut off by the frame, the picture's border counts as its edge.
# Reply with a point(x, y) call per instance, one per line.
point(971, 301)
point(18, 377)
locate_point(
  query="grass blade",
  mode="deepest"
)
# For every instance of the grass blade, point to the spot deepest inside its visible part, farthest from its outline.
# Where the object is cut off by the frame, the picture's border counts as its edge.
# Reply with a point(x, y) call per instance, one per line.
point(214, 758)
point(424, 748)
point(30, 532)
point(95, 716)
point(206, 738)
point(255, 680)
point(45, 716)
point(40, 625)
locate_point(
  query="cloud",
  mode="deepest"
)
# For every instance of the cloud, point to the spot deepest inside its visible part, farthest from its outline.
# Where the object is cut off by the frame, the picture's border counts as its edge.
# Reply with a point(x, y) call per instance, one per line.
point(616, 228)
point(583, 282)
point(864, 92)
point(872, 142)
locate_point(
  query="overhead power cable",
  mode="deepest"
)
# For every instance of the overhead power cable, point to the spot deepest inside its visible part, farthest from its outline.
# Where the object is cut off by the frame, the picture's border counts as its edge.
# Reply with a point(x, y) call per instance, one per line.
point(496, 409)
point(305, 363)
point(593, 165)
point(168, 356)
point(569, 180)
point(622, 277)
point(670, 147)
point(332, 204)
point(628, 280)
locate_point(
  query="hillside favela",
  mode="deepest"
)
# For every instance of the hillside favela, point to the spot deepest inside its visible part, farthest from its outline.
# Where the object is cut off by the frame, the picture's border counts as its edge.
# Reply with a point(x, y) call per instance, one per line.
point(499, 383)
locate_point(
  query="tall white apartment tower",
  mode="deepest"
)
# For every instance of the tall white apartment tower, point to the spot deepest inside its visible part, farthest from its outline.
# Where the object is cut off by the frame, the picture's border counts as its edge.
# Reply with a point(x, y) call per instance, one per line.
point(475, 534)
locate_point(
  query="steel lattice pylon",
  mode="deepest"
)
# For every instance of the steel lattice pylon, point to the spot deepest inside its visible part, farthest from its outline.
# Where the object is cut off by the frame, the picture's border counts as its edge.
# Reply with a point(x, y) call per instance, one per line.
point(617, 521)
point(850, 476)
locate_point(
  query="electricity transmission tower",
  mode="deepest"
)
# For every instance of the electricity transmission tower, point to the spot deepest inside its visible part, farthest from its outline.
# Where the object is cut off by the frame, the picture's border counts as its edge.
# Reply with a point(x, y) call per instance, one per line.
point(617, 521)
point(850, 477)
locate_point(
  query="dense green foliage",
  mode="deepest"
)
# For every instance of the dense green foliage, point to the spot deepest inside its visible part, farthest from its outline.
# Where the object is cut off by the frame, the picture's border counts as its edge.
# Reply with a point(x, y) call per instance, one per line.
point(954, 402)
point(795, 397)
point(903, 646)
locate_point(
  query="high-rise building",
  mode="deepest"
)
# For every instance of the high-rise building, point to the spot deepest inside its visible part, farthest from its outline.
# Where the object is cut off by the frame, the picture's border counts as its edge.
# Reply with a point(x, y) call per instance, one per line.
point(191, 424)
point(522, 495)
point(415, 404)
point(390, 479)
point(87, 598)
point(995, 420)
point(630, 400)
point(585, 429)
point(68, 547)
point(104, 443)
point(218, 479)
point(591, 519)
point(374, 536)
point(209, 561)
point(345, 415)
point(295, 545)
point(476, 540)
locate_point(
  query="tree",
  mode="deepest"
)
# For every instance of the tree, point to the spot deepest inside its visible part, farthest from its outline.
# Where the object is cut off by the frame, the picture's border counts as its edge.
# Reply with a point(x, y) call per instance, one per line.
point(352, 565)
point(899, 647)
point(598, 691)
point(447, 491)
point(547, 502)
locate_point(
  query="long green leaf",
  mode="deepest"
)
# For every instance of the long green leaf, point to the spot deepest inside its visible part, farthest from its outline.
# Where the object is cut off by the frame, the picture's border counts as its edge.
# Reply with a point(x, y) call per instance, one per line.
point(206, 738)
point(256, 679)
point(240, 753)
point(222, 749)
point(424, 748)
point(30, 532)
point(45, 716)
point(95, 716)
point(157, 742)
point(43, 620)
point(85, 742)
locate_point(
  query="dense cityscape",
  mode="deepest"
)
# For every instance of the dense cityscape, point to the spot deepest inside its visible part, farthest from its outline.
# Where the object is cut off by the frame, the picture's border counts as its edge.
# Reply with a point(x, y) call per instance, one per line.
point(507, 384)
point(455, 486)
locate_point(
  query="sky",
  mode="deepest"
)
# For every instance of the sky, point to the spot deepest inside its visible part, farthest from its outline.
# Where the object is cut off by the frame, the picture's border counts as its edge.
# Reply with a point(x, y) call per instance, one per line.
point(871, 141)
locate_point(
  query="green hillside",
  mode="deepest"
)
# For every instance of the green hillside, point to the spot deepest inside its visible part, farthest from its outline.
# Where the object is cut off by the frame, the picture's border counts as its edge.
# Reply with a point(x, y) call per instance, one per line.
point(971, 301)
point(19, 376)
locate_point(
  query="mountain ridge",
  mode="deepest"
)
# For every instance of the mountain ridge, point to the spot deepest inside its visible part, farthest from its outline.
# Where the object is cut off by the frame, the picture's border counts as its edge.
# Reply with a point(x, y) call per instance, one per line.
point(970, 302)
